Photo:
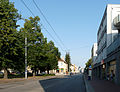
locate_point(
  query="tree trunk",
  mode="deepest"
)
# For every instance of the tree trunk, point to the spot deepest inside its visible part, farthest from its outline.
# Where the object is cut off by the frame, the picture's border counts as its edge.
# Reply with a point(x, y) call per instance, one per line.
point(37, 72)
point(5, 73)
point(47, 71)
point(34, 73)
point(68, 68)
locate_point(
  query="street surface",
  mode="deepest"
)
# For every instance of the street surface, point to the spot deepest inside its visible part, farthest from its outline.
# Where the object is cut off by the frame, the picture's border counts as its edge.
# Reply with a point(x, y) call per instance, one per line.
point(74, 83)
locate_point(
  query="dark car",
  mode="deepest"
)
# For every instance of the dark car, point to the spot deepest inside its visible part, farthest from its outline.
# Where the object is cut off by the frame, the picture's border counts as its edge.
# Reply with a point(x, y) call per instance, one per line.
point(1, 73)
point(71, 73)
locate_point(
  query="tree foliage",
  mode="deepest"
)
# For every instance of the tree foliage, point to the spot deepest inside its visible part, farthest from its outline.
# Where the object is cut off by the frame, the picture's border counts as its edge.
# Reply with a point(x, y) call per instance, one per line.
point(89, 62)
point(9, 43)
point(42, 55)
point(67, 59)
point(53, 55)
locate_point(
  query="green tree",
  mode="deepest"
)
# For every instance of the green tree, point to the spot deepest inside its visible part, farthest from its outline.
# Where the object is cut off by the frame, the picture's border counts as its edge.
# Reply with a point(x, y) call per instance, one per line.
point(8, 45)
point(41, 55)
point(67, 59)
point(52, 57)
point(89, 62)
point(20, 56)
point(34, 36)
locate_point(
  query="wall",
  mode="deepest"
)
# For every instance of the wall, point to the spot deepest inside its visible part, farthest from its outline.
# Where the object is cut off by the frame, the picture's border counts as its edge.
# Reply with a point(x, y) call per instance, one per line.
point(107, 31)
point(112, 12)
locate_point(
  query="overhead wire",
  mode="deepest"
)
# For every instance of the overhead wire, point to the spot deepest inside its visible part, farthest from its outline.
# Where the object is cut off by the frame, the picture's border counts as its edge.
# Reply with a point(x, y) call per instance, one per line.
point(27, 8)
point(42, 25)
point(49, 23)
point(52, 37)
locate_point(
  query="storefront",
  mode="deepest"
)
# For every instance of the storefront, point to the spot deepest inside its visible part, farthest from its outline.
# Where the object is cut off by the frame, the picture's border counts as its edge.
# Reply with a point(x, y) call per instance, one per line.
point(103, 67)
point(112, 67)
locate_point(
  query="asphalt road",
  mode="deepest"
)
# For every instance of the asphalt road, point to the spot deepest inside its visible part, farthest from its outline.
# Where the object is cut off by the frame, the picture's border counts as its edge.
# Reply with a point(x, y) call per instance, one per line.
point(73, 83)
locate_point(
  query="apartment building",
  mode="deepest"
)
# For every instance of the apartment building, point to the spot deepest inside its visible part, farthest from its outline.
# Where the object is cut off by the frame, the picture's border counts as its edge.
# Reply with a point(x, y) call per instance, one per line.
point(94, 53)
point(107, 43)
point(107, 31)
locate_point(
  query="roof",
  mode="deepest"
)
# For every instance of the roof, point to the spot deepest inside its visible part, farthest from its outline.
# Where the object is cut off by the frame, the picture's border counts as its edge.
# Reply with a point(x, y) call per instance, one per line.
point(62, 60)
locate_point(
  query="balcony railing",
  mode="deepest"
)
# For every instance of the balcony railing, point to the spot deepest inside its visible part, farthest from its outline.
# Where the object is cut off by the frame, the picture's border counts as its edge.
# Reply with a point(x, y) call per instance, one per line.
point(114, 45)
point(116, 21)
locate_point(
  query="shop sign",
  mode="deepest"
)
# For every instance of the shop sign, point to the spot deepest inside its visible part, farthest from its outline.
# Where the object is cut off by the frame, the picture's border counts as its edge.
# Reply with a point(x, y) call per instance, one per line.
point(103, 66)
point(90, 67)
point(102, 62)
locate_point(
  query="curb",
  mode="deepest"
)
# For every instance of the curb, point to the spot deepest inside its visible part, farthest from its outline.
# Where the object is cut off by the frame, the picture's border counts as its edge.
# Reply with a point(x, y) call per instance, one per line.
point(3, 81)
point(88, 86)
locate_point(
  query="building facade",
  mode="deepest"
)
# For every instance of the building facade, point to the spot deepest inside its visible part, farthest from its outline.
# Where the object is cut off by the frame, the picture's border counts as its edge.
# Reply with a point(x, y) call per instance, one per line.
point(94, 53)
point(62, 67)
point(74, 69)
point(107, 31)
point(108, 44)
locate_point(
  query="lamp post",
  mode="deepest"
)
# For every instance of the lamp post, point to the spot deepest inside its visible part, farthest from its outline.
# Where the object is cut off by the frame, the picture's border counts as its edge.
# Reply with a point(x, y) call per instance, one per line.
point(25, 56)
point(25, 52)
point(26, 46)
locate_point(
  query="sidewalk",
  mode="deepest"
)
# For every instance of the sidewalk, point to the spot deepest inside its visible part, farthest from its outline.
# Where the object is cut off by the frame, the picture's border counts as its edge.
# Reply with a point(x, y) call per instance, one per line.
point(23, 79)
point(104, 86)
point(101, 86)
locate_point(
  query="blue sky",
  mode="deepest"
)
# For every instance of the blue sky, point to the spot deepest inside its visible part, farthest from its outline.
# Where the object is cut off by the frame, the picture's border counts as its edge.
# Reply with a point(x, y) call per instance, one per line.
point(75, 21)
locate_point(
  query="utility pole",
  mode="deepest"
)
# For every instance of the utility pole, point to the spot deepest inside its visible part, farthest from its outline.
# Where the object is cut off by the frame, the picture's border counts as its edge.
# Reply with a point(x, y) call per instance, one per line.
point(25, 56)
point(26, 45)
point(25, 33)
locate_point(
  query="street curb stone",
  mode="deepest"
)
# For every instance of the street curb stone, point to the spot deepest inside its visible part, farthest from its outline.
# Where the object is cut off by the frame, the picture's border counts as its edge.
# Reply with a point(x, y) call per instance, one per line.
point(2, 81)
point(88, 86)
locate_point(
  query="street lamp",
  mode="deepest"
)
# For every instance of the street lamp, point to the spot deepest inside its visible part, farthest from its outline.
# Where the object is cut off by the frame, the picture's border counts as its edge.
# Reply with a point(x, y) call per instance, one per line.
point(26, 45)
point(25, 51)
point(25, 56)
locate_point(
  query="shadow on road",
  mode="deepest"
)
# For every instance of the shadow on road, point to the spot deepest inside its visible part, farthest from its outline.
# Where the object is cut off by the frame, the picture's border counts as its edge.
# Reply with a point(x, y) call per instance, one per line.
point(51, 85)
point(63, 84)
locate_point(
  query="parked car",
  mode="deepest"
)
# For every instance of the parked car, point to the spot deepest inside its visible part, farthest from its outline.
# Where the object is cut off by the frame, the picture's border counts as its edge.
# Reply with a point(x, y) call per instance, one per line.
point(13, 73)
point(42, 73)
point(1, 73)
point(71, 73)
point(18, 73)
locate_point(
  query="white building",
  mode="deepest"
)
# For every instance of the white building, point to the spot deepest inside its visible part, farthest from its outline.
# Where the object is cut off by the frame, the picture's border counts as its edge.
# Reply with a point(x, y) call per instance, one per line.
point(74, 68)
point(107, 31)
point(108, 44)
point(62, 67)
point(81, 70)
point(94, 53)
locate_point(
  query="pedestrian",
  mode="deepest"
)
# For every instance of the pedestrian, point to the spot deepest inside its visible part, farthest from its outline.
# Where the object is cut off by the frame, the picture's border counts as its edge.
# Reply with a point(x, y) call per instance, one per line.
point(108, 78)
point(112, 75)
point(90, 75)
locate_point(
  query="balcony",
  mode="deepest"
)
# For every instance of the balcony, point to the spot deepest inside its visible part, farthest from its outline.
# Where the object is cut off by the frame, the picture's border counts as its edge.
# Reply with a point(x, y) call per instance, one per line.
point(116, 21)
point(114, 46)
